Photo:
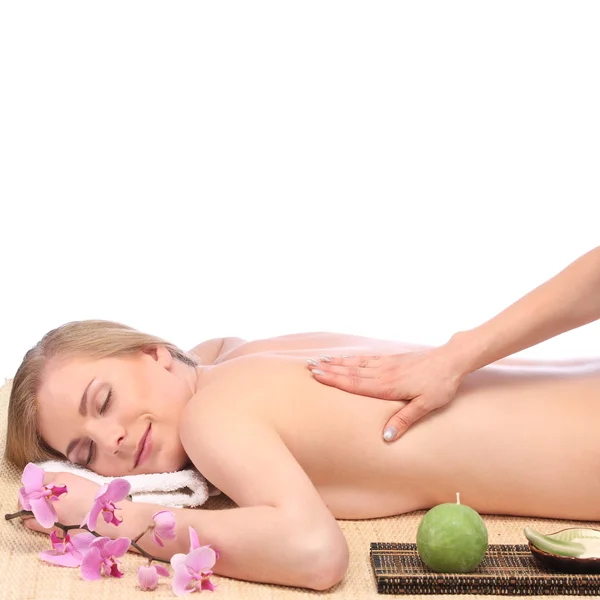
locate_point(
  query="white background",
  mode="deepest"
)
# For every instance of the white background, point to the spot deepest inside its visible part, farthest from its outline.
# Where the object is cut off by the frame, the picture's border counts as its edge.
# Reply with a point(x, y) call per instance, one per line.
point(395, 169)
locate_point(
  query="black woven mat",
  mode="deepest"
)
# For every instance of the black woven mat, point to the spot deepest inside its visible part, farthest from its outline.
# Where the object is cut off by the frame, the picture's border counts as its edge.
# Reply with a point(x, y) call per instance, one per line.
point(506, 570)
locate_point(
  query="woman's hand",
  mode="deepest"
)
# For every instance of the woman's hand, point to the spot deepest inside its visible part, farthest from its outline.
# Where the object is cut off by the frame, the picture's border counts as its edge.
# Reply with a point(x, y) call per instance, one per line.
point(71, 507)
point(428, 379)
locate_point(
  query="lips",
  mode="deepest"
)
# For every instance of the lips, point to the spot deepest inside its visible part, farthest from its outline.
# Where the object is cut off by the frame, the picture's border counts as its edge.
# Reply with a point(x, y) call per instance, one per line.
point(140, 447)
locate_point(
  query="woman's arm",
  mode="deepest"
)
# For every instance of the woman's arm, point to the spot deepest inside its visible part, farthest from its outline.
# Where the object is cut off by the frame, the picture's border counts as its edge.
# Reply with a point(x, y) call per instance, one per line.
point(568, 300)
point(283, 532)
point(430, 378)
point(259, 543)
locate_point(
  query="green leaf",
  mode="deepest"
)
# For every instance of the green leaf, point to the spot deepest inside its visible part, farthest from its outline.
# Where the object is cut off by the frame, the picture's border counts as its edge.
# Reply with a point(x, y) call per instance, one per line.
point(555, 545)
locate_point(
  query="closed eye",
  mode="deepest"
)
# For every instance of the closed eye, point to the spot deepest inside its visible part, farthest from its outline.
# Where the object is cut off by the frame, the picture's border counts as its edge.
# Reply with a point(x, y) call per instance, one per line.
point(106, 402)
point(91, 452)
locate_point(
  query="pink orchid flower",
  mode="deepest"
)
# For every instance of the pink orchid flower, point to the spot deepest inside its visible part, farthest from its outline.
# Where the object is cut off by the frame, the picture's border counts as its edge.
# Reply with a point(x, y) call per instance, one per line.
point(148, 576)
point(164, 526)
point(36, 497)
point(68, 552)
point(194, 543)
point(102, 558)
point(193, 570)
point(104, 503)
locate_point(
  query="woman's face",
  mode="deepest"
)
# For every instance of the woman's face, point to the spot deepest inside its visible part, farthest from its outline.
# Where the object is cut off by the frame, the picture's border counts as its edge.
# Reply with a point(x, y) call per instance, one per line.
point(117, 416)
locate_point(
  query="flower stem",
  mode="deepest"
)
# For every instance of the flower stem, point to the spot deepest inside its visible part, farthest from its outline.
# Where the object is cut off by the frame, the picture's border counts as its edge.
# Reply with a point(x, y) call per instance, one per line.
point(66, 528)
point(147, 554)
point(134, 541)
point(16, 515)
point(137, 539)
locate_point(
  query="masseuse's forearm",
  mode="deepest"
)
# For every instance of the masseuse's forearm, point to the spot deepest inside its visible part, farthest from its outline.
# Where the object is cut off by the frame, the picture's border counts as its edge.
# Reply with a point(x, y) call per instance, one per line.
point(260, 543)
point(567, 301)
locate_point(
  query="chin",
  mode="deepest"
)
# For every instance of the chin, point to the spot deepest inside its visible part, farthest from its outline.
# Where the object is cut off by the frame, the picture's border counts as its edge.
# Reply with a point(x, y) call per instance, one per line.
point(174, 461)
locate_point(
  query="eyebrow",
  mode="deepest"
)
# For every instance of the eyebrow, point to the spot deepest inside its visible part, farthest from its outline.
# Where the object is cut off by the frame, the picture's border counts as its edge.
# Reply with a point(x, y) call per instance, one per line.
point(83, 412)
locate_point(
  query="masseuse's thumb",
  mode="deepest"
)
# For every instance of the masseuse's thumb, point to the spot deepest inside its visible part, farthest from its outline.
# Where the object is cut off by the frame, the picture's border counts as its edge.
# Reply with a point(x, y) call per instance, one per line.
point(403, 419)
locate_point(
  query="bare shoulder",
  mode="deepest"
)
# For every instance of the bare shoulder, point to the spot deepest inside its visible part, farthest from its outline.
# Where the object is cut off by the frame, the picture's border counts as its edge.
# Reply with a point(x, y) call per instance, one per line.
point(228, 434)
point(237, 392)
point(211, 422)
point(231, 391)
point(241, 380)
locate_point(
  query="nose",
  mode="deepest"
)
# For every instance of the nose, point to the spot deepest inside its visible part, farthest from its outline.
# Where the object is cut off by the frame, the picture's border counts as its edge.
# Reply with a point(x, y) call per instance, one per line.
point(109, 437)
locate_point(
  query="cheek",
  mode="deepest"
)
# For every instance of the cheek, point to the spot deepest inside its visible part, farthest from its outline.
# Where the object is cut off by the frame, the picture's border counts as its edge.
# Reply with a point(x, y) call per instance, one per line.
point(177, 458)
point(171, 454)
point(144, 396)
point(167, 399)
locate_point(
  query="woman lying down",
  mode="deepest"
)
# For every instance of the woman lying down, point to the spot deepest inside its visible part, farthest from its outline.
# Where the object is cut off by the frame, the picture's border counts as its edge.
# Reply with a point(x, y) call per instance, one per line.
point(295, 455)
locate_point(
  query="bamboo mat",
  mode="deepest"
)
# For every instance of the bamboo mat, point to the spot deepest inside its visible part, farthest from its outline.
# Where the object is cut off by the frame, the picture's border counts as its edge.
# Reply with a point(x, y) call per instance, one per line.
point(506, 570)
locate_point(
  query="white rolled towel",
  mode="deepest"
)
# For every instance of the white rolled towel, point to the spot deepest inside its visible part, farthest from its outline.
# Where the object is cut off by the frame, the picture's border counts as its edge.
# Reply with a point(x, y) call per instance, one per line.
point(179, 489)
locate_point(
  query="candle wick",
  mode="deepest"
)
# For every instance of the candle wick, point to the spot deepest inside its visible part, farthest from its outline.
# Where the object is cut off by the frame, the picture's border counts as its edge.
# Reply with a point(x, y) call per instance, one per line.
point(457, 497)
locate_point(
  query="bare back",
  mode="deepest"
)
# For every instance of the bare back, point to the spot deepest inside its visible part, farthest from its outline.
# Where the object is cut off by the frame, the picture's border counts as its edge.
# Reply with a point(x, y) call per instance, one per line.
point(517, 440)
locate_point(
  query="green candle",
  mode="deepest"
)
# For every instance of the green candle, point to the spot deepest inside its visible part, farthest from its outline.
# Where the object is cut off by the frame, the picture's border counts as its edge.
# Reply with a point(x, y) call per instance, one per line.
point(452, 538)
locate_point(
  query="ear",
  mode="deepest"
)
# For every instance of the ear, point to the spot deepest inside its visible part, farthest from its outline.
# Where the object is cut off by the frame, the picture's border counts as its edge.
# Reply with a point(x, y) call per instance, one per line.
point(161, 355)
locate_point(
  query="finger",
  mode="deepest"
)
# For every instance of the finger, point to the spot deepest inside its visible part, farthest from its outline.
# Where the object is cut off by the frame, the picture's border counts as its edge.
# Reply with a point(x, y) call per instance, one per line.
point(32, 524)
point(354, 385)
point(346, 371)
point(352, 361)
point(397, 426)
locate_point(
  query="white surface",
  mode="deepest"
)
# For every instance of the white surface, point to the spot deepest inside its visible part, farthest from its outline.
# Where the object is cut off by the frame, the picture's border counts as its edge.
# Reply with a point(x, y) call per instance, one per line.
point(401, 170)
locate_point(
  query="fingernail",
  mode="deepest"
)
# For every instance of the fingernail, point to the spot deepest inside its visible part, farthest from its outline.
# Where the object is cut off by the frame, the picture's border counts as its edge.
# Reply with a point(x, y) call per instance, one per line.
point(325, 358)
point(389, 433)
point(318, 372)
point(312, 363)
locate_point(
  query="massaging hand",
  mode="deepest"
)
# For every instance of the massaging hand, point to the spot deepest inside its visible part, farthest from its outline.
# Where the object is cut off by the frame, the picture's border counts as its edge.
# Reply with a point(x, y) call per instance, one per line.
point(426, 378)
point(71, 507)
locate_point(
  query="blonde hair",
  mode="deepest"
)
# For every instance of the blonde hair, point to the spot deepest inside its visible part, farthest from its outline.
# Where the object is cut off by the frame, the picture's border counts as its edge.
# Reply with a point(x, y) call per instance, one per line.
point(92, 339)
